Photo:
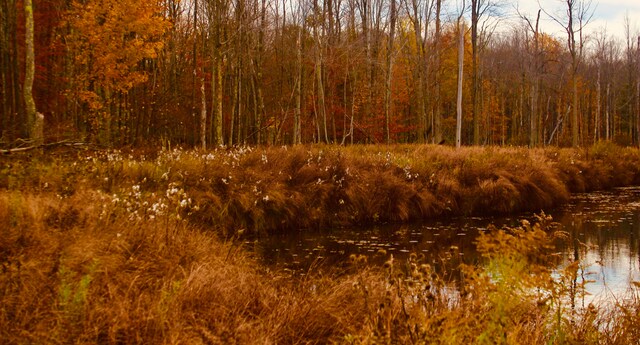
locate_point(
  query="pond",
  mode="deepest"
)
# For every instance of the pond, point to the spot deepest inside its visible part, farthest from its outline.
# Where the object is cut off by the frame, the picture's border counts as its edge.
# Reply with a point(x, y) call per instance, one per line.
point(605, 226)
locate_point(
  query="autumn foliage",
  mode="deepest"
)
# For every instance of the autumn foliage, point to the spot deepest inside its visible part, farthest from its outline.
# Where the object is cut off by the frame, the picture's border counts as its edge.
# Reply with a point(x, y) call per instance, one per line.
point(138, 72)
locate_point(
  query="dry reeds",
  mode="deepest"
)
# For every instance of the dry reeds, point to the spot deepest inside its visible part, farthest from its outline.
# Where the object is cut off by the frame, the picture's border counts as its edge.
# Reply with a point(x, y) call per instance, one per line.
point(106, 248)
point(117, 280)
point(265, 190)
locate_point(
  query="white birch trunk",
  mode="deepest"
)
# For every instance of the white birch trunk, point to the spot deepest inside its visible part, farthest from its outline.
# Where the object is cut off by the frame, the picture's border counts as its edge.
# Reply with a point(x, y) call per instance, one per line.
point(460, 75)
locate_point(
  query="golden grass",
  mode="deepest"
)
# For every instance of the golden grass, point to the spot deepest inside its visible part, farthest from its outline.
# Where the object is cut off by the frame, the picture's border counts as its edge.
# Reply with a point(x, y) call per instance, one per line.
point(265, 190)
point(126, 261)
point(115, 280)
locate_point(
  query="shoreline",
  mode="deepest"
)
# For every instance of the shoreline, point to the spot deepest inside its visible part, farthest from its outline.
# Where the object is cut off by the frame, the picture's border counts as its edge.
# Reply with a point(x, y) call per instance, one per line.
point(268, 190)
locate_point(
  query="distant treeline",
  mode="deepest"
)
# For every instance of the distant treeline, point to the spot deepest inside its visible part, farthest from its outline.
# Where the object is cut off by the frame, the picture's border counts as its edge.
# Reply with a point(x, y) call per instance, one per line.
point(205, 72)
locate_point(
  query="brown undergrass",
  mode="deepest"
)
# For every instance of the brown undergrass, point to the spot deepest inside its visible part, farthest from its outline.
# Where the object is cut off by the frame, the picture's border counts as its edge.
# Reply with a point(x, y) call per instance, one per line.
point(77, 270)
point(71, 276)
point(142, 247)
point(262, 190)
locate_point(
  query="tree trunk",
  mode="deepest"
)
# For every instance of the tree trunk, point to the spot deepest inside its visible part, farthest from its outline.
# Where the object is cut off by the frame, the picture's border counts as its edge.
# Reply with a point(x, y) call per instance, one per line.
point(217, 86)
point(298, 89)
point(194, 86)
point(5, 68)
point(321, 106)
point(577, 10)
point(203, 117)
point(437, 115)
point(235, 107)
point(321, 102)
point(34, 122)
point(387, 103)
point(574, 112)
point(215, 10)
point(370, 65)
point(423, 124)
point(536, 71)
point(259, 108)
point(533, 139)
point(460, 74)
point(607, 113)
point(596, 127)
point(638, 89)
point(475, 109)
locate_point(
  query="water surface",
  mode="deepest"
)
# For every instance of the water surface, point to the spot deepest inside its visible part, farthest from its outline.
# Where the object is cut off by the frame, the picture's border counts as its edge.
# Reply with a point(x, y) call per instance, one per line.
point(604, 226)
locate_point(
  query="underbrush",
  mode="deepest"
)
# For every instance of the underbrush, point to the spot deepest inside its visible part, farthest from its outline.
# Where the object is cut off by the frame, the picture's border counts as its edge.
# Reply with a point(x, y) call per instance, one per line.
point(104, 278)
point(82, 269)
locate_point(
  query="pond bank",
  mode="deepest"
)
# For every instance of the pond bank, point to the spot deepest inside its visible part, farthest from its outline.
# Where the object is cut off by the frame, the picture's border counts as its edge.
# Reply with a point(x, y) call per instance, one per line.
point(266, 190)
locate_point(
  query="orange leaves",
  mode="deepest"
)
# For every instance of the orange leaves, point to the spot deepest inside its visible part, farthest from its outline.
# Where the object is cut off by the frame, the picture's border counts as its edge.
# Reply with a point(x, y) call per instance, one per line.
point(108, 39)
point(551, 45)
point(91, 99)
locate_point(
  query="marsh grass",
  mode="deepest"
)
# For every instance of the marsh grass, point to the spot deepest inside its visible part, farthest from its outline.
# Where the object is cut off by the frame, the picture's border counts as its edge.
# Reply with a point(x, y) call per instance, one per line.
point(119, 248)
point(266, 190)
point(121, 280)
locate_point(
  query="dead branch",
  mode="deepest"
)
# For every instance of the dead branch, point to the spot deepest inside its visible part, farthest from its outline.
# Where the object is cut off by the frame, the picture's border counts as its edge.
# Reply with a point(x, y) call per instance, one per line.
point(48, 145)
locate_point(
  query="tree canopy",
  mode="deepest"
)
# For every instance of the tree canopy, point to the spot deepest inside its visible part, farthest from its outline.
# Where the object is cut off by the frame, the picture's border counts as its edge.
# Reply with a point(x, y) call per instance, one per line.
point(124, 72)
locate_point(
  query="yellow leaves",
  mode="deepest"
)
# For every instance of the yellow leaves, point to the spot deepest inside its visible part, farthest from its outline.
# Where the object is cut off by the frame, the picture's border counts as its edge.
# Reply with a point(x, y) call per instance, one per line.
point(108, 39)
point(91, 99)
point(551, 45)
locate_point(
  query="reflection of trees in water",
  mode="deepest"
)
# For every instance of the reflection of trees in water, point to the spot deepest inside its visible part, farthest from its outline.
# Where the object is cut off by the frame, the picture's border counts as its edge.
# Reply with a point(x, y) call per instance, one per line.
point(603, 228)
point(607, 225)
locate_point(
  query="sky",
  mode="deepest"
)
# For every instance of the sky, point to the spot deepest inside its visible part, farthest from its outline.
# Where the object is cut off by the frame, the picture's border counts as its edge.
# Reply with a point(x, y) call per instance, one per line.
point(608, 15)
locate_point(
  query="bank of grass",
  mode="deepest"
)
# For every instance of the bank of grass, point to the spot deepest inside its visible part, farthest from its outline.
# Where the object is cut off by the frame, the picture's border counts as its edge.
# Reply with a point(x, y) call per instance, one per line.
point(265, 190)
point(72, 275)
point(80, 269)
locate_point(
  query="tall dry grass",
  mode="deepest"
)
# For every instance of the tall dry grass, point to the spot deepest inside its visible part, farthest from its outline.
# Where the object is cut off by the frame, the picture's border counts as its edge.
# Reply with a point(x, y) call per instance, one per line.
point(71, 274)
point(78, 270)
point(265, 190)
point(115, 247)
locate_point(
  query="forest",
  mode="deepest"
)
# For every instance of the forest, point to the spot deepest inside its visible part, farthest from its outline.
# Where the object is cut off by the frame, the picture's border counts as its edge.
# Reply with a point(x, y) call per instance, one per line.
point(269, 72)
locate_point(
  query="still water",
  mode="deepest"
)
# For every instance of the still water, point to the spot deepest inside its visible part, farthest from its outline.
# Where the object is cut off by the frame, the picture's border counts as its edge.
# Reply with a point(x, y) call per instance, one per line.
point(605, 224)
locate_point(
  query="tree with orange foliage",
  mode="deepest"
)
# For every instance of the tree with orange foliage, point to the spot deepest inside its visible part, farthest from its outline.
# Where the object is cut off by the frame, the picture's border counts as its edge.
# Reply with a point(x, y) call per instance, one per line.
point(108, 39)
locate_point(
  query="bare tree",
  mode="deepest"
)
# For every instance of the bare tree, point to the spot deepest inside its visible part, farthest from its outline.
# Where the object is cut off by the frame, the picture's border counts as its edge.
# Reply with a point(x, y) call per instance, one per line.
point(577, 15)
point(535, 71)
point(392, 31)
point(460, 75)
point(216, 10)
point(633, 69)
point(598, 62)
point(9, 69)
point(480, 11)
point(297, 125)
point(420, 13)
point(437, 114)
point(318, 26)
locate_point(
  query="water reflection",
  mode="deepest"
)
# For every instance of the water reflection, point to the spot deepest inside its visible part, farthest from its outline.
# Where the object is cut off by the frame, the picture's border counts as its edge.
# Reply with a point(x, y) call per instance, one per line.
point(604, 227)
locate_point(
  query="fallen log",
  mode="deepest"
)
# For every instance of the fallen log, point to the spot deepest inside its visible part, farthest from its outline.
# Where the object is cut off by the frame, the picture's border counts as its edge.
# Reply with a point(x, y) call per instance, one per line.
point(48, 145)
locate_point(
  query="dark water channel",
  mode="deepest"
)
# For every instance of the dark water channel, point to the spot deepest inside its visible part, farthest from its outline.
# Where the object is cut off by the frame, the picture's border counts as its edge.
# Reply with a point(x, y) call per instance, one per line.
point(606, 225)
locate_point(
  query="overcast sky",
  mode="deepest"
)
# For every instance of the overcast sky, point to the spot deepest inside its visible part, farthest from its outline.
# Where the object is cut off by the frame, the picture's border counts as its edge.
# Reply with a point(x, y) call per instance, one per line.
point(607, 14)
